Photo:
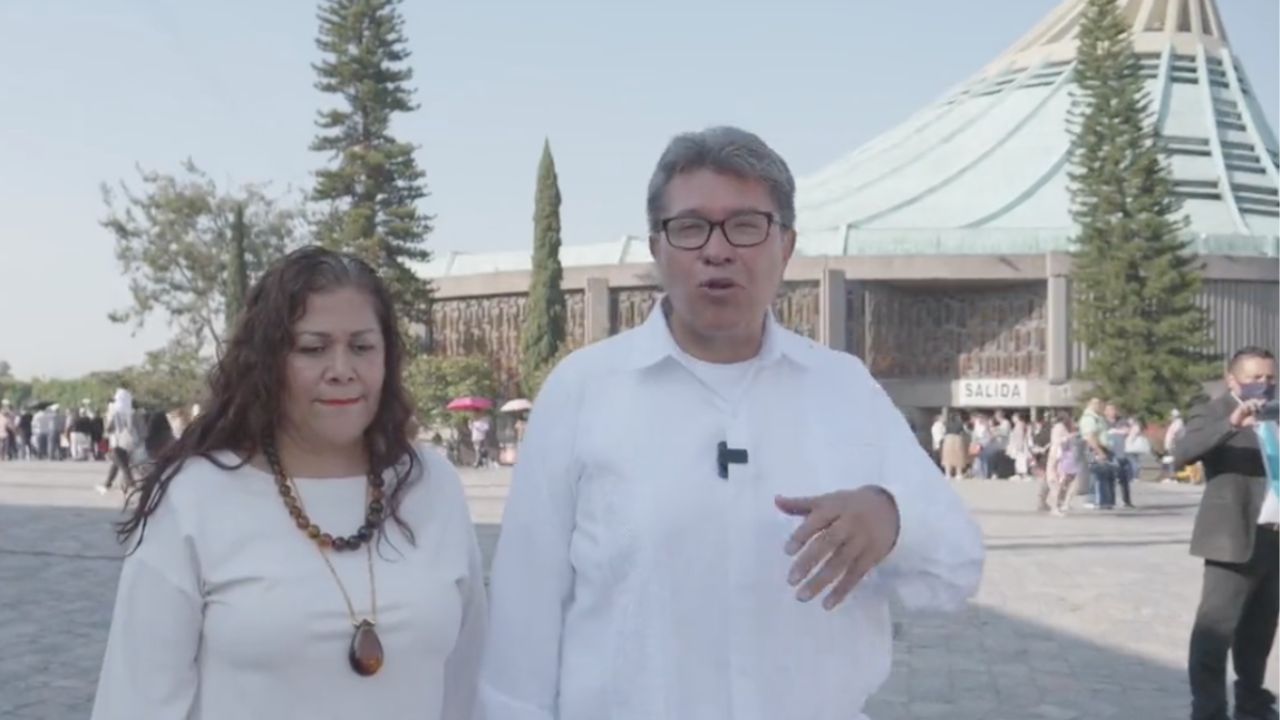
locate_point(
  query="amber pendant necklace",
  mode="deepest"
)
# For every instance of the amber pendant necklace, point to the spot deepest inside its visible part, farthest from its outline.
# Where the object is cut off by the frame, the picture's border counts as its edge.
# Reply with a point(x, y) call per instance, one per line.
point(365, 653)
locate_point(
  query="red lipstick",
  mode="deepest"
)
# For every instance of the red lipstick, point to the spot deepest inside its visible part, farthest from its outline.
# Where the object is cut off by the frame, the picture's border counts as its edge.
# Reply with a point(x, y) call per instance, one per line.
point(340, 402)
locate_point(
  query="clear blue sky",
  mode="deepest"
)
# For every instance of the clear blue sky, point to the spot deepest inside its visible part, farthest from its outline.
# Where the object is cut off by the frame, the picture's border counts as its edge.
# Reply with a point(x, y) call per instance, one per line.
point(89, 88)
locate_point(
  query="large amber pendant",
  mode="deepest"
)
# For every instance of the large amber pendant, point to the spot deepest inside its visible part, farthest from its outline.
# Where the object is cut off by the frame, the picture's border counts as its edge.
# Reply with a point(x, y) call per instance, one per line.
point(366, 650)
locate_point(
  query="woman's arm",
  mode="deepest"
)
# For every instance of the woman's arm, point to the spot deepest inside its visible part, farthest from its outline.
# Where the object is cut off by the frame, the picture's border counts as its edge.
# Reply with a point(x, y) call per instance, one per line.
point(149, 669)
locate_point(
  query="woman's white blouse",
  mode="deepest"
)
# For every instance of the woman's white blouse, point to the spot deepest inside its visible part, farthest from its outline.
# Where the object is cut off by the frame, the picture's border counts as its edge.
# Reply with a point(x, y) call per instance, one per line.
point(227, 610)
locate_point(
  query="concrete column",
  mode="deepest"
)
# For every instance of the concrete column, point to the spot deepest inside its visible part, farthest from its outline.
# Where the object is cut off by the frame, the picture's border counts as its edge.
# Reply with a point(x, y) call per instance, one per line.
point(595, 308)
point(856, 342)
point(831, 310)
point(1058, 329)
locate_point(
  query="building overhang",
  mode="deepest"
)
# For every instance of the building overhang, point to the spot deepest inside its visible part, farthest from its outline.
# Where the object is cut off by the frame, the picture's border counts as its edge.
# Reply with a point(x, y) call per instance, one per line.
point(1005, 268)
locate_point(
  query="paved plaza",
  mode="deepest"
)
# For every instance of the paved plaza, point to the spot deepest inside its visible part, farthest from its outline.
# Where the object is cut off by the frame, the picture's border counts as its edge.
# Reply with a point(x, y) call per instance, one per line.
point(1083, 617)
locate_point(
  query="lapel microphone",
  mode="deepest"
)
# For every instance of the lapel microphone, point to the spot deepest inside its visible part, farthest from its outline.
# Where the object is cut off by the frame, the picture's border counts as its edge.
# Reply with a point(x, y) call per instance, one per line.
point(726, 455)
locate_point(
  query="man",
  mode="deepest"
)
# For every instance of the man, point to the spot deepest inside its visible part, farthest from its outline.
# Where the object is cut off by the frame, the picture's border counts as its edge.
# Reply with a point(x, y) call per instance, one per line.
point(1237, 537)
point(1102, 475)
point(981, 438)
point(1001, 425)
point(42, 428)
point(59, 429)
point(1124, 469)
point(710, 512)
point(993, 450)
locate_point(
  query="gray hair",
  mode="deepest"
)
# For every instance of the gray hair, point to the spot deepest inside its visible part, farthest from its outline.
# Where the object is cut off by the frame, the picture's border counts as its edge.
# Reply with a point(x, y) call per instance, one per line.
point(727, 150)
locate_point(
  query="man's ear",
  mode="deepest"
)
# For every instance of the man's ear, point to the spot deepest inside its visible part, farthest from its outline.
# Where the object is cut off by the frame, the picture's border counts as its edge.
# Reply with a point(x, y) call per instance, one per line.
point(788, 244)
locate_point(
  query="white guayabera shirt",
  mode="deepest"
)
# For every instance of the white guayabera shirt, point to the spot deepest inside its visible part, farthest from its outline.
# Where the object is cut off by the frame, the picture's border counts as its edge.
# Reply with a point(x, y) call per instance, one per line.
point(633, 583)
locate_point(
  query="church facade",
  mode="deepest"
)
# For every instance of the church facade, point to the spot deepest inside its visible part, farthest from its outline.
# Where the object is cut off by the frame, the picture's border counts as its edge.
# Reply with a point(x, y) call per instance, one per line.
point(939, 252)
point(966, 331)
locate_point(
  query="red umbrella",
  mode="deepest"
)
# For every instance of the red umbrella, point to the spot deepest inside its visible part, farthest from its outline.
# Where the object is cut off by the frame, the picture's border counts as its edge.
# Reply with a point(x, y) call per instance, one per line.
point(470, 404)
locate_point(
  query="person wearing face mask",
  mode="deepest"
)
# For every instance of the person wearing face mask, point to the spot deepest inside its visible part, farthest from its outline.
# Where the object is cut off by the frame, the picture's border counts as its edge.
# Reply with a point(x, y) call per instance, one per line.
point(1236, 534)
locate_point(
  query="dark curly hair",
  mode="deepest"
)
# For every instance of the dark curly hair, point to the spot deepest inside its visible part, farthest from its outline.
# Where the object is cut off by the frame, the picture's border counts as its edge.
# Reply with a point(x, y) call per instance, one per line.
point(243, 406)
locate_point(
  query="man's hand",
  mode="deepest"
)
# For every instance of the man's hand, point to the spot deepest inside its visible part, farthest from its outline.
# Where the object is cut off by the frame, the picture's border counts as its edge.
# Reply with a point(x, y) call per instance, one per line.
point(852, 530)
point(1246, 414)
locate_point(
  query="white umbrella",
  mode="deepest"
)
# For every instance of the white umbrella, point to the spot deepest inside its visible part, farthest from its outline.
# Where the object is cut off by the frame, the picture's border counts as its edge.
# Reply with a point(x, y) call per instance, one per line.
point(516, 405)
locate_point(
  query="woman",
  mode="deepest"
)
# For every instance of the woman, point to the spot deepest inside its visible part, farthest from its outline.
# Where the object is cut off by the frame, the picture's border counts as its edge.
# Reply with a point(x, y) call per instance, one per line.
point(1018, 448)
point(292, 554)
point(1070, 450)
point(954, 456)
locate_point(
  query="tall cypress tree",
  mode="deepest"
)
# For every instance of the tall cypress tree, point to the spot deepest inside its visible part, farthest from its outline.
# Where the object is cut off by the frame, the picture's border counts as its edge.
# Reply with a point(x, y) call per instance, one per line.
point(372, 188)
point(237, 268)
point(544, 317)
point(1135, 279)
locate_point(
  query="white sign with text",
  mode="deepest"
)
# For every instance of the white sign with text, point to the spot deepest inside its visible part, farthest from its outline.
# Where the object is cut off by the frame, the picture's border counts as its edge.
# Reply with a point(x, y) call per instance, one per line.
point(990, 392)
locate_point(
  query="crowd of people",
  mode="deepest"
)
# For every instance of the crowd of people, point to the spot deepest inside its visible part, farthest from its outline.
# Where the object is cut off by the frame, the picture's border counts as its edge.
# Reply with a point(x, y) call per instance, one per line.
point(1099, 452)
point(50, 432)
point(122, 435)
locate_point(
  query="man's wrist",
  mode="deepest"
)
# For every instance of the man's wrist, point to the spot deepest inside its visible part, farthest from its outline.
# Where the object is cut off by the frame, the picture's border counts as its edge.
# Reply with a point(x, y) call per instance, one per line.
point(897, 513)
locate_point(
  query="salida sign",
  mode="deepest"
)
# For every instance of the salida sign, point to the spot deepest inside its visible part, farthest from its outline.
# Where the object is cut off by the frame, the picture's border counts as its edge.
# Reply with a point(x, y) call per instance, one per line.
point(991, 392)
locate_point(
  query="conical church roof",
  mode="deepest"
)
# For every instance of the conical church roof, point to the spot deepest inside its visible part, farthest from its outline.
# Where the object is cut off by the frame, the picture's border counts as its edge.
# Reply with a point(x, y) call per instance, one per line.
point(985, 167)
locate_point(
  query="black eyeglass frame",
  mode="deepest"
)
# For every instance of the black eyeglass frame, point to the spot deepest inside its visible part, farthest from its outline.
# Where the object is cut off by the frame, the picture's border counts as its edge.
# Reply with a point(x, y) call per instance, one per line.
point(769, 217)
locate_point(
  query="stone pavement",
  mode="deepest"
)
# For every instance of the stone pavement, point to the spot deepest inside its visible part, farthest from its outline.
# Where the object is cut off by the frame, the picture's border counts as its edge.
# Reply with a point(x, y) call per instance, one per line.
point(1084, 617)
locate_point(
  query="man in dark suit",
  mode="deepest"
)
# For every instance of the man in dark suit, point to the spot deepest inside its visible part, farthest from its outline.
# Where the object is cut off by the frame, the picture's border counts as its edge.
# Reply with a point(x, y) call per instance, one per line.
point(1239, 544)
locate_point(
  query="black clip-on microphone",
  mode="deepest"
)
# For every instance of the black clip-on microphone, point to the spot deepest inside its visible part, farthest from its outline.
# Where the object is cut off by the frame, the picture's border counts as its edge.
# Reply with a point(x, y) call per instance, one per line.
point(726, 455)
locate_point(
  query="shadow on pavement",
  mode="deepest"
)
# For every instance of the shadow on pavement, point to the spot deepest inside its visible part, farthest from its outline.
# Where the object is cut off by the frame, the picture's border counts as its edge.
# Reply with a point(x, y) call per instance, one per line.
point(1137, 513)
point(1137, 542)
point(58, 568)
point(984, 664)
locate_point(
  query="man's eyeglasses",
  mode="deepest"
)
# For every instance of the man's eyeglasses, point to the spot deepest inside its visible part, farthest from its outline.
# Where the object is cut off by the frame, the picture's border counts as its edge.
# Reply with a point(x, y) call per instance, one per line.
point(743, 229)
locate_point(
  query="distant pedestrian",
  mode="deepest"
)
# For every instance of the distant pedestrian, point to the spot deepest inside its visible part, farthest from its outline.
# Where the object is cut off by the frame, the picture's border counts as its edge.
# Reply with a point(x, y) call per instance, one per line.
point(121, 437)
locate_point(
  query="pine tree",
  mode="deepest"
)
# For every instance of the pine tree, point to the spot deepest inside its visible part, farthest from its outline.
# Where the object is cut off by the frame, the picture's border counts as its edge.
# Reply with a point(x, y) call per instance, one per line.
point(372, 193)
point(544, 318)
point(1134, 277)
point(237, 268)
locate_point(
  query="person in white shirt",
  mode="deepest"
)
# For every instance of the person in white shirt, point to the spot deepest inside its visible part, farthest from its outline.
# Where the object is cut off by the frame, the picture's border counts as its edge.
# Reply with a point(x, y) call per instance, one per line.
point(937, 431)
point(292, 555)
point(42, 431)
point(8, 431)
point(710, 513)
point(479, 426)
point(1172, 434)
point(1017, 446)
point(981, 437)
point(121, 438)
